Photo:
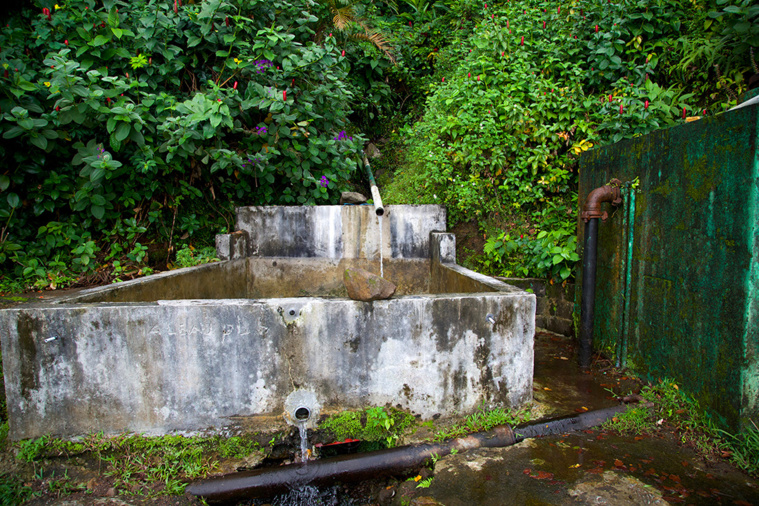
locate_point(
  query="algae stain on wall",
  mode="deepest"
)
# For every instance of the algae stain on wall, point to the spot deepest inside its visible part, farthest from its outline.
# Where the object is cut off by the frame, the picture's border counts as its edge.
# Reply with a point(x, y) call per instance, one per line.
point(695, 245)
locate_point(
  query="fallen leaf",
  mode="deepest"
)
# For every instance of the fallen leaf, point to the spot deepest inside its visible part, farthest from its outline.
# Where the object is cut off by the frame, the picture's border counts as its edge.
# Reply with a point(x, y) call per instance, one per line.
point(564, 358)
point(527, 471)
point(546, 388)
point(575, 466)
point(684, 463)
point(543, 475)
point(725, 453)
point(619, 463)
point(674, 478)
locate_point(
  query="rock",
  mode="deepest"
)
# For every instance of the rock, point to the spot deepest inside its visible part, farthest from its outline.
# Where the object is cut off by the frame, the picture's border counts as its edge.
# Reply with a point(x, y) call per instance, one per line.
point(372, 151)
point(352, 198)
point(365, 286)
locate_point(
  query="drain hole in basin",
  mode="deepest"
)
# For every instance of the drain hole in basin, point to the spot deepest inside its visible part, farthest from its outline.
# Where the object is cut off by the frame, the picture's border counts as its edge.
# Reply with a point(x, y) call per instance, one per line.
point(302, 413)
point(292, 312)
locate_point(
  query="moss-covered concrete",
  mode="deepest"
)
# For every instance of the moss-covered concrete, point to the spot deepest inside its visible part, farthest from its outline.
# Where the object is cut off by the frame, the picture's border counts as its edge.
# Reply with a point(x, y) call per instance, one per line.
point(693, 306)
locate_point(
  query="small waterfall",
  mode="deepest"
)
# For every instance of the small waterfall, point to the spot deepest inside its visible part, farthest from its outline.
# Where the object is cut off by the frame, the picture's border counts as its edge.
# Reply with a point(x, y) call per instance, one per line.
point(382, 270)
point(303, 440)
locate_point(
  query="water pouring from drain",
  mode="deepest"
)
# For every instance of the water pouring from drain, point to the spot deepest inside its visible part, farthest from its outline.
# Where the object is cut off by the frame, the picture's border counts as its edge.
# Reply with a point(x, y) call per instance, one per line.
point(302, 411)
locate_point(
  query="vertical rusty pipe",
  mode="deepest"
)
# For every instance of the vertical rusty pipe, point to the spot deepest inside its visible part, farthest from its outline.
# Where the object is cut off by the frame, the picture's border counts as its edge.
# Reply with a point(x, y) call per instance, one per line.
point(590, 256)
point(590, 215)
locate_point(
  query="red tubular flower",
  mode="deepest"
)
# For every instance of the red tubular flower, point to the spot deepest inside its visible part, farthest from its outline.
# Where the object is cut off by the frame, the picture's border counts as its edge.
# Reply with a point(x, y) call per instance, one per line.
point(544, 25)
point(645, 104)
point(176, 9)
point(150, 61)
point(469, 74)
point(443, 79)
point(521, 43)
point(503, 53)
point(704, 112)
point(683, 112)
point(558, 11)
point(293, 83)
point(226, 20)
point(646, 76)
point(234, 86)
point(108, 100)
point(621, 110)
point(343, 53)
point(478, 78)
point(409, 23)
point(57, 108)
point(492, 16)
point(46, 13)
point(507, 24)
point(66, 42)
point(486, 6)
point(284, 94)
point(609, 98)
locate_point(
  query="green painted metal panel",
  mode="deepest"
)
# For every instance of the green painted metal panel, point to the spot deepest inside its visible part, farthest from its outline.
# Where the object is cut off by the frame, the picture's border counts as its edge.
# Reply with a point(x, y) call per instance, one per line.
point(692, 309)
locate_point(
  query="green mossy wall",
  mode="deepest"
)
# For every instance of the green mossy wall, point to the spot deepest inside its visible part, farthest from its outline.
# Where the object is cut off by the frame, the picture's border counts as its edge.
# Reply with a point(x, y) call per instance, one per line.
point(693, 294)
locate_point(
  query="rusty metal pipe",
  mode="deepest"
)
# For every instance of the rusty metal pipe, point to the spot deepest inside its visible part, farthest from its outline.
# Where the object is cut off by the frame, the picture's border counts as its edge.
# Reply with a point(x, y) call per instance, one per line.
point(590, 215)
point(269, 482)
point(365, 466)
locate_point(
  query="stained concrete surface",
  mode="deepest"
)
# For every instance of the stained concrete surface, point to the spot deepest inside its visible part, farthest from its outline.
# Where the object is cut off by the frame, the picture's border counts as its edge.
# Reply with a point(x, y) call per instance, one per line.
point(591, 467)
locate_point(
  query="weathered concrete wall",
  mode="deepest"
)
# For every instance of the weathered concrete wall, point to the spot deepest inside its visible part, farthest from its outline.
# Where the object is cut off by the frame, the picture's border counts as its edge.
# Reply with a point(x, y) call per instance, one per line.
point(693, 271)
point(220, 280)
point(320, 277)
point(188, 365)
point(129, 358)
point(340, 231)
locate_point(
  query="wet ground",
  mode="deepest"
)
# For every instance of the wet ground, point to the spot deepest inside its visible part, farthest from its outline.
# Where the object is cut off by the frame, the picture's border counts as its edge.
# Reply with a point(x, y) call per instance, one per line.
point(586, 467)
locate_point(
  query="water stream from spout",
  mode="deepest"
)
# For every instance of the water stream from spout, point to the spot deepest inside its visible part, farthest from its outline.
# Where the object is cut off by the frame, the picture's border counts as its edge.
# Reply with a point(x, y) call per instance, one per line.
point(382, 270)
point(303, 440)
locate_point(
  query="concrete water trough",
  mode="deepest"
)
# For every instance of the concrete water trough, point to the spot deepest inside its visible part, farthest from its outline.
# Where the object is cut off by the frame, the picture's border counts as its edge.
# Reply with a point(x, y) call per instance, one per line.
point(224, 344)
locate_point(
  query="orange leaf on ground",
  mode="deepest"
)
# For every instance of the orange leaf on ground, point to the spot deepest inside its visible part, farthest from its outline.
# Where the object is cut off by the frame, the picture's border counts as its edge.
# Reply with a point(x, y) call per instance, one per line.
point(543, 475)
point(619, 463)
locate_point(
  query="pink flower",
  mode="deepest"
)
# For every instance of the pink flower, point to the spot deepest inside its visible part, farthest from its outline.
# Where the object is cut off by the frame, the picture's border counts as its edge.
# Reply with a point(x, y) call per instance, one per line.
point(234, 86)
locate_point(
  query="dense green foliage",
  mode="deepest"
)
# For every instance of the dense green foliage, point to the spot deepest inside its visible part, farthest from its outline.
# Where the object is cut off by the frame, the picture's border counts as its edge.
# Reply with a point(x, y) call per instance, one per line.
point(132, 128)
point(524, 87)
point(127, 122)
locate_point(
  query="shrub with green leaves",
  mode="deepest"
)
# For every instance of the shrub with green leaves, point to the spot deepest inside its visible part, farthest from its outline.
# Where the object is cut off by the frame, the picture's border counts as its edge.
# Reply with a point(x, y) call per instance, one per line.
point(163, 115)
point(517, 100)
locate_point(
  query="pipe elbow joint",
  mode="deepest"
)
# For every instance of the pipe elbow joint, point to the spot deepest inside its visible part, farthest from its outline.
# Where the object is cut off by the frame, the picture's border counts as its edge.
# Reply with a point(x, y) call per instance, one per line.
point(607, 193)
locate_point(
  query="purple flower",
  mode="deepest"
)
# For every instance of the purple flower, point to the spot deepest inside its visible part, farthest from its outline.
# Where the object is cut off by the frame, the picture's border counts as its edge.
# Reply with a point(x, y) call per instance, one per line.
point(324, 181)
point(262, 64)
point(341, 136)
point(260, 130)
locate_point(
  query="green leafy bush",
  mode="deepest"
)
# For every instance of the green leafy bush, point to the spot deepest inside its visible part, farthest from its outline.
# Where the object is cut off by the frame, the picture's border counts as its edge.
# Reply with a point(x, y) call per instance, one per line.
point(120, 111)
point(516, 100)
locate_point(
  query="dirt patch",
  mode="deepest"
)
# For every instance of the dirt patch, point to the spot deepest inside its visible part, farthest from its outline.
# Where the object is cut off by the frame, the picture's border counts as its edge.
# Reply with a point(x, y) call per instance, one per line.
point(469, 242)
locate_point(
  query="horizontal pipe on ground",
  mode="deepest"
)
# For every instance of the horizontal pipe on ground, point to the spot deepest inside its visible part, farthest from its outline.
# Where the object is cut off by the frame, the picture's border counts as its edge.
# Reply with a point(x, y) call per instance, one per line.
point(269, 482)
